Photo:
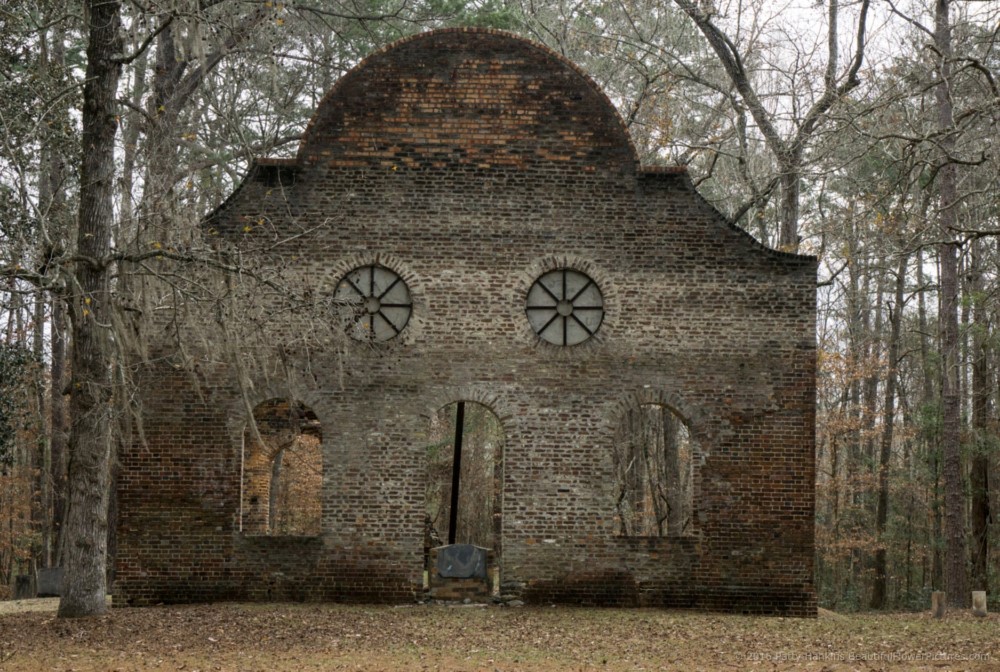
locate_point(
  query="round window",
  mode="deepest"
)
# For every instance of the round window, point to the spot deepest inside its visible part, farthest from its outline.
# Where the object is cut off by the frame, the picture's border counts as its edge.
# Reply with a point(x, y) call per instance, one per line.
point(565, 307)
point(380, 301)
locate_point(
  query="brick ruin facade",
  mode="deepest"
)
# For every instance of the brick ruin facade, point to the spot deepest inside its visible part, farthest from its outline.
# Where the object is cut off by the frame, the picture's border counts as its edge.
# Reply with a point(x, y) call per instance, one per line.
point(463, 168)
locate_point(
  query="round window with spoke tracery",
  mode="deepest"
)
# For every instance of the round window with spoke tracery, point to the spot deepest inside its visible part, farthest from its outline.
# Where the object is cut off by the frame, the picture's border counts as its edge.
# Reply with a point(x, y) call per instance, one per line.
point(565, 307)
point(380, 301)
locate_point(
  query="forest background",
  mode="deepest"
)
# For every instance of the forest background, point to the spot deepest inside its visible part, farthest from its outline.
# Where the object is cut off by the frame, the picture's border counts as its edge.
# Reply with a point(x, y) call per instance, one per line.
point(863, 132)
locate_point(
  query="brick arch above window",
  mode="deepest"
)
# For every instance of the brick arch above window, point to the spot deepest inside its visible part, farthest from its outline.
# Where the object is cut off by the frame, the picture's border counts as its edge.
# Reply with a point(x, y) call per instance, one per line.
point(691, 414)
point(396, 265)
point(435, 400)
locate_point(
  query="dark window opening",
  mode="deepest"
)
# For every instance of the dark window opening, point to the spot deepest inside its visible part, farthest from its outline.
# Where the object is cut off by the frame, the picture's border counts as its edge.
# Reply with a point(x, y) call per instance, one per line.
point(282, 471)
point(654, 474)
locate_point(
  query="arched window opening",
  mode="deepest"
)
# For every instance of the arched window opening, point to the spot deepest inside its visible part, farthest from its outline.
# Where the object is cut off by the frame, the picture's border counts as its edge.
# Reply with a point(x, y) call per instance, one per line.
point(282, 471)
point(480, 439)
point(654, 474)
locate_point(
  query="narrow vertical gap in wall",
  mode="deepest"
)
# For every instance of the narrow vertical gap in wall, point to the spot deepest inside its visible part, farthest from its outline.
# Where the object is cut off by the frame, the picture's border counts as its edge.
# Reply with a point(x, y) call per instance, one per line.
point(456, 471)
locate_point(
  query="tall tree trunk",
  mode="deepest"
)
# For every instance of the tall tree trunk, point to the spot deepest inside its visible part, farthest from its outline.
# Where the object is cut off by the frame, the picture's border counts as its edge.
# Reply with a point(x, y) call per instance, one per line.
point(930, 434)
point(981, 381)
point(132, 124)
point(788, 235)
point(674, 475)
point(85, 585)
point(879, 589)
point(857, 327)
point(872, 338)
point(158, 214)
point(41, 455)
point(272, 494)
point(954, 500)
point(57, 424)
point(40, 451)
point(53, 212)
point(175, 83)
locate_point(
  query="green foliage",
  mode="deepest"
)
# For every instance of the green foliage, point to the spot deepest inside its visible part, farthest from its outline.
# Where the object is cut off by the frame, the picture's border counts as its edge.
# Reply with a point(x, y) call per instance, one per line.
point(982, 442)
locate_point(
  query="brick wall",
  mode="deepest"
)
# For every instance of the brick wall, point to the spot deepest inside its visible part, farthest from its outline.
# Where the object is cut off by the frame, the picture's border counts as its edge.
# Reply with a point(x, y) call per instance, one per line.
point(469, 163)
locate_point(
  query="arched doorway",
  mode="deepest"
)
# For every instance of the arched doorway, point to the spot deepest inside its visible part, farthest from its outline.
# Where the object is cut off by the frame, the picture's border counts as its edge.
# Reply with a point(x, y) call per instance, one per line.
point(463, 504)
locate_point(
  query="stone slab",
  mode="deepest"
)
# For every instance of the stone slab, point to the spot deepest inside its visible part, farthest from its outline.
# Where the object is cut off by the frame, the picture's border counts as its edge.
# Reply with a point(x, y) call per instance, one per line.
point(50, 582)
point(24, 587)
point(979, 603)
point(461, 561)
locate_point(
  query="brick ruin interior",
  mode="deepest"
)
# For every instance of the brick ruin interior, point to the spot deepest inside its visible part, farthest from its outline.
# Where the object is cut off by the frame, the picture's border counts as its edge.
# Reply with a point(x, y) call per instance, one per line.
point(637, 373)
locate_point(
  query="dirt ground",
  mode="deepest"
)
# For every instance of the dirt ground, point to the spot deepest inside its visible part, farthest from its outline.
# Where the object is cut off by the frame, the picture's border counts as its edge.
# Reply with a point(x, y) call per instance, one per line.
point(299, 637)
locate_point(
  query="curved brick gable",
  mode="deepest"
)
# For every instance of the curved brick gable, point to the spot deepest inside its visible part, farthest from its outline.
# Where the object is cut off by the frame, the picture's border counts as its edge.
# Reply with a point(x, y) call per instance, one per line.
point(467, 98)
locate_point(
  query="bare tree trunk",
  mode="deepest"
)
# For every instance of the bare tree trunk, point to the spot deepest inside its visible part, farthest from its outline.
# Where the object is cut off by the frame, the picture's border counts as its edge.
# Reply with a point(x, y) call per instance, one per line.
point(40, 451)
point(872, 336)
point(930, 439)
point(951, 469)
point(788, 218)
point(41, 454)
point(131, 126)
point(857, 328)
point(954, 505)
point(674, 480)
point(655, 506)
point(272, 495)
point(981, 381)
point(85, 584)
point(57, 408)
point(885, 453)
point(159, 207)
point(175, 83)
point(634, 475)
point(52, 203)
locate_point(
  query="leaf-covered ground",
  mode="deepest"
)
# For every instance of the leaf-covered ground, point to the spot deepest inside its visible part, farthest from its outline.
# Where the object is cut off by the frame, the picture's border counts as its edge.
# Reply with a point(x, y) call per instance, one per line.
point(336, 637)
